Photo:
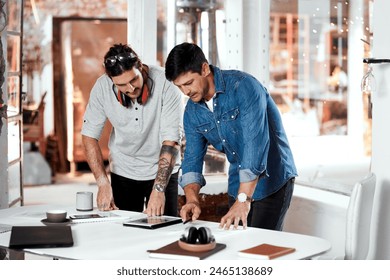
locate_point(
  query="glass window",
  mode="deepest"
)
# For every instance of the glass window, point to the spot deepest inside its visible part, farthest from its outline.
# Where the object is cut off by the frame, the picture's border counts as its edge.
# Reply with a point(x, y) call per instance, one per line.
point(309, 66)
point(316, 51)
point(13, 95)
point(196, 22)
point(13, 54)
point(14, 15)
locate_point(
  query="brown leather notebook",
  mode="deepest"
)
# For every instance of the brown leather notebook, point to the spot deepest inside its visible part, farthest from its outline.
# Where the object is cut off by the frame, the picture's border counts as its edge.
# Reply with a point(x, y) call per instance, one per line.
point(265, 251)
point(40, 237)
point(174, 252)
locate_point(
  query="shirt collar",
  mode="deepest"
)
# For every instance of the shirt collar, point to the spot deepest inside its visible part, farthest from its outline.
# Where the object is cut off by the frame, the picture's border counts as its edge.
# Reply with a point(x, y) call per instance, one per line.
point(219, 83)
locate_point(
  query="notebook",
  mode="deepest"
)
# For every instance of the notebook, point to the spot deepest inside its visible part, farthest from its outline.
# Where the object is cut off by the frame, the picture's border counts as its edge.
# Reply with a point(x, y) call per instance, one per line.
point(173, 251)
point(265, 251)
point(40, 237)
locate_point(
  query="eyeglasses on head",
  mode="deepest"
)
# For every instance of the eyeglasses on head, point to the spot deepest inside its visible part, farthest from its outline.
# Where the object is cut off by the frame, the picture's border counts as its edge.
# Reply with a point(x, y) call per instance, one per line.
point(122, 58)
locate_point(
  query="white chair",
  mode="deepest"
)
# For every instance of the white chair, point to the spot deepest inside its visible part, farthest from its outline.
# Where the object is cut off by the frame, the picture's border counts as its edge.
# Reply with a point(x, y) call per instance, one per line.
point(359, 214)
point(380, 224)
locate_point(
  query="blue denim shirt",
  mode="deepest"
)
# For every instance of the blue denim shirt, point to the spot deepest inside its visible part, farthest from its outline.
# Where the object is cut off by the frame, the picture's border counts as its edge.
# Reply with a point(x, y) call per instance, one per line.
point(247, 127)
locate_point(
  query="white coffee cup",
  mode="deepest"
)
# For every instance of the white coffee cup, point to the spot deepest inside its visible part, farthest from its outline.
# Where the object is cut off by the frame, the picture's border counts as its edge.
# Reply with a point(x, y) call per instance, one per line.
point(56, 216)
point(84, 201)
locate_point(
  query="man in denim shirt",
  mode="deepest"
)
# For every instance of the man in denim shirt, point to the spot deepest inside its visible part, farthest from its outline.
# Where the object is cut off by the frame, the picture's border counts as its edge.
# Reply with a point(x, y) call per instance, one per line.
point(232, 111)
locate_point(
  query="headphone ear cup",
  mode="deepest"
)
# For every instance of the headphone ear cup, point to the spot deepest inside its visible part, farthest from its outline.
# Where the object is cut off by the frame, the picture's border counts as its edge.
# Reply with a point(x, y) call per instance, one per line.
point(185, 234)
point(192, 236)
point(126, 100)
point(204, 235)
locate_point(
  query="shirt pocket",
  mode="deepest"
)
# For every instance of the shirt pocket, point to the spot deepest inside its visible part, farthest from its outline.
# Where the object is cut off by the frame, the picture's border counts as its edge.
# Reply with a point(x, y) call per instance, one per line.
point(230, 115)
point(230, 119)
point(206, 129)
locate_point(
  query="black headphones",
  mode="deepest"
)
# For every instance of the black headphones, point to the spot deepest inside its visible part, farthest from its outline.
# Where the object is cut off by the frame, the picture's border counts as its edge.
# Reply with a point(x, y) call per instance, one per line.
point(126, 101)
point(193, 235)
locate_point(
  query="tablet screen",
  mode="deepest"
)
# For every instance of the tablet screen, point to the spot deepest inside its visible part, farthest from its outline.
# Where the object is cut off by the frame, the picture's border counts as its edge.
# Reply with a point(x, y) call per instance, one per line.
point(153, 222)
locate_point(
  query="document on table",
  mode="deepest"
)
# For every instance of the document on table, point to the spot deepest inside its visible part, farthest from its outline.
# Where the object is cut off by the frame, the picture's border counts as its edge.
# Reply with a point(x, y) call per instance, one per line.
point(96, 217)
point(5, 228)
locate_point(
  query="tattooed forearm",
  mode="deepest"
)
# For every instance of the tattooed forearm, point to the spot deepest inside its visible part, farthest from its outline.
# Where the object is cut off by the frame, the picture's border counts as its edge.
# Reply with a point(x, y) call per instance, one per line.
point(169, 150)
point(166, 163)
point(164, 172)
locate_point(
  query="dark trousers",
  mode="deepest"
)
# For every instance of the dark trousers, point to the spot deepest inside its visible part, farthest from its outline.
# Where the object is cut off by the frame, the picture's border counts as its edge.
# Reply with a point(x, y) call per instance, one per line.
point(133, 195)
point(269, 212)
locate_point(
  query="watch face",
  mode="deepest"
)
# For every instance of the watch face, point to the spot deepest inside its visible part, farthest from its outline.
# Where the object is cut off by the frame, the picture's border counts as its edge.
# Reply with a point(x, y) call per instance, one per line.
point(159, 188)
point(241, 197)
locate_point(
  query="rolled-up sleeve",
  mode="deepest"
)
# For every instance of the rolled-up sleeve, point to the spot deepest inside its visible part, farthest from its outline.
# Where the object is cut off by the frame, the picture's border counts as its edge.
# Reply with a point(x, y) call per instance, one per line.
point(190, 178)
point(246, 175)
point(94, 117)
point(172, 114)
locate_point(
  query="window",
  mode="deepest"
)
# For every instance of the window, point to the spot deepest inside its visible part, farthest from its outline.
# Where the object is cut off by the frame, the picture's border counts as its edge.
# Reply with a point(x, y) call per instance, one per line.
point(316, 51)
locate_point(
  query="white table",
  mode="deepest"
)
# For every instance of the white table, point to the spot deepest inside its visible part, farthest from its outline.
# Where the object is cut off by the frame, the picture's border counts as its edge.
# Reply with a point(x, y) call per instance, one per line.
point(111, 240)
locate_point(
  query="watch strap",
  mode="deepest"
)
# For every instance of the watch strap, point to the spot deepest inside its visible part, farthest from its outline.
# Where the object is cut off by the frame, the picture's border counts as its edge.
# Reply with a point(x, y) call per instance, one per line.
point(247, 197)
point(159, 188)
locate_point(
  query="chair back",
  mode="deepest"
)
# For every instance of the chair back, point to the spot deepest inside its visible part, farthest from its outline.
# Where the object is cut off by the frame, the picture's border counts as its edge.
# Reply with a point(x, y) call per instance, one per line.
point(359, 214)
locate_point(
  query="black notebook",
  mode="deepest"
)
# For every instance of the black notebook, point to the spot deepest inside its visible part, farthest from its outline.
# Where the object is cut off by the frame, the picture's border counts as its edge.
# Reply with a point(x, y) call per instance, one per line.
point(40, 237)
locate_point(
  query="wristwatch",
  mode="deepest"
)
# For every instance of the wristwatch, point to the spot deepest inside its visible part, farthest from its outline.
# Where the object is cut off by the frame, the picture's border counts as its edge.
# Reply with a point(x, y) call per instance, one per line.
point(159, 188)
point(242, 197)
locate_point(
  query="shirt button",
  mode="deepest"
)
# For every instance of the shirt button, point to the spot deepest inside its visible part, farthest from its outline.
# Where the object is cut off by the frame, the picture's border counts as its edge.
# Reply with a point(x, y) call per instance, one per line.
point(136, 119)
point(239, 165)
point(233, 153)
point(218, 121)
point(136, 108)
point(223, 140)
point(232, 117)
point(205, 130)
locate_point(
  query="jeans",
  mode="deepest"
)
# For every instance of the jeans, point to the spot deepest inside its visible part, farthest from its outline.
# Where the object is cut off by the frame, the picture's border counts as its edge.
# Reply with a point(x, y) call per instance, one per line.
point(133, 195)
point(269, 212)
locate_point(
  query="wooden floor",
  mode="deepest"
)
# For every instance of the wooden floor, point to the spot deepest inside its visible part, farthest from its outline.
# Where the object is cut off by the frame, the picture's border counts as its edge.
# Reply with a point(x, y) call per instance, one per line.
point(62, 191)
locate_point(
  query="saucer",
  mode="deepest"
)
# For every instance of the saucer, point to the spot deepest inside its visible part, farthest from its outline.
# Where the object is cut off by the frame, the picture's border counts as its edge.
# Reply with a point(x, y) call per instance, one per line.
point(46, 222)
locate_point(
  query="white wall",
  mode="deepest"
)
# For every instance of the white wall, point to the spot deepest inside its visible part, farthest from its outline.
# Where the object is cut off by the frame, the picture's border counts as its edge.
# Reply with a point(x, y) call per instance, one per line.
point(142, 29)
point(247, 33)
point(380, 241)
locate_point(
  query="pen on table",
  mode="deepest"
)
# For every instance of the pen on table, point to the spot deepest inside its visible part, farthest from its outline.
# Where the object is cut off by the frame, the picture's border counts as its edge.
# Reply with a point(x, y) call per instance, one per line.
point(186, 221)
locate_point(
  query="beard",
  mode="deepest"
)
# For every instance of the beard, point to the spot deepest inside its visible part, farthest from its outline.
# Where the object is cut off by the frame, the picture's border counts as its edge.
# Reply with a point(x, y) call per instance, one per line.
point(133, 95)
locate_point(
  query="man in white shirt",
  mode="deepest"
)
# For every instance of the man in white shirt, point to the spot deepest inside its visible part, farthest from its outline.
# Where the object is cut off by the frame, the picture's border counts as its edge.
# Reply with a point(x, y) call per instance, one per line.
point(145, 111)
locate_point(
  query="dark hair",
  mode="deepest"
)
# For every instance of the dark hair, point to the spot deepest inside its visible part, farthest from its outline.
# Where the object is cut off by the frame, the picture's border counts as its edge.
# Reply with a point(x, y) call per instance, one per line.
point(124, 65)
point(183, 58)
